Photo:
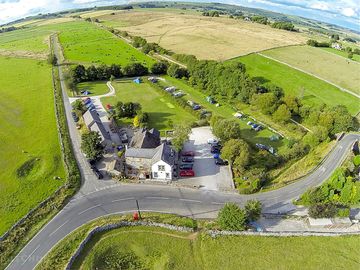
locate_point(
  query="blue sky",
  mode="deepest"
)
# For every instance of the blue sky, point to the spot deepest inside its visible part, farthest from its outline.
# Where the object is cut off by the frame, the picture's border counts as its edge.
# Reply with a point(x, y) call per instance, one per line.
point(341, 12)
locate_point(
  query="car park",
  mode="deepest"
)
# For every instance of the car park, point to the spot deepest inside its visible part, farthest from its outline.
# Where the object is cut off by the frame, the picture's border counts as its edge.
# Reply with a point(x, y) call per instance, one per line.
point(187, 159)
point(188, 154)
point(187, 173)
point(187, 166)
point(220, 162)
point(97, 173)
point(212, 141)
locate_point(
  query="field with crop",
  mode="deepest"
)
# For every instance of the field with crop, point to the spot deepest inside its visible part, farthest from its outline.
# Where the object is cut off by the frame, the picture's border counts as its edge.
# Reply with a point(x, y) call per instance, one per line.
point(331, 67)
point(155, 248)
point(309, 89)
point(355, 57)
point(29, 149)
point(222, 37)
point(163, 112)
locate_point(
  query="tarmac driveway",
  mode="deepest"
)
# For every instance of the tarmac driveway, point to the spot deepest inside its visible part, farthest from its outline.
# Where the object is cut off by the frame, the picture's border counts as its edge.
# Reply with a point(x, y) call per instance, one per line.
point(208, 175)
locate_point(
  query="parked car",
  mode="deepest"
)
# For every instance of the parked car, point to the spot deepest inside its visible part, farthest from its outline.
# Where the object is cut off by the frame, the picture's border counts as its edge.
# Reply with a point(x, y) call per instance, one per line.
point(188, 166)
point(97, 173)
point(258, 128)
point(196, 107)
point(220, 162)
point(215, 149)
point(92, 163)
point(187, 173)
point(238, 115)
point(178, 94)
point(188, 154)
point(250, 123)
point(212, 141)
point(216, 155)
point(254, 126)
point(187, 159)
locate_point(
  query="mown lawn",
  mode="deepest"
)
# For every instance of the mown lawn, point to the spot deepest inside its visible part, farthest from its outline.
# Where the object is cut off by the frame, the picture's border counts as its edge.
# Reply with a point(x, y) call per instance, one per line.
point(338, 70)
point(162, 110)
point(29, 149)
point(311, 90)
point(95, 88)
point(158, 248)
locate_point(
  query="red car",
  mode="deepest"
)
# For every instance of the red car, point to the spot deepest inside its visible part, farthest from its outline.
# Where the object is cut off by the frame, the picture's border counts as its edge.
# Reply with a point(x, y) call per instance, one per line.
point(187, 173)
point(188, 154)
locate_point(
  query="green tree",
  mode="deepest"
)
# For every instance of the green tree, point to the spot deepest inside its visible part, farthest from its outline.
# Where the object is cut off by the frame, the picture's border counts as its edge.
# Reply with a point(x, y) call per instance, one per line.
point(237, 152)
point(266, 102)
point(226, 129)
point(253, 210)
point(52, 59)
point(311, 139)
point(231, 217)
point(282, 114)
point(91, 145)
point(181, 135)
point(293, 103)
point(323, 210)
point(79, 107)
point(177, 71)
point(159, 68)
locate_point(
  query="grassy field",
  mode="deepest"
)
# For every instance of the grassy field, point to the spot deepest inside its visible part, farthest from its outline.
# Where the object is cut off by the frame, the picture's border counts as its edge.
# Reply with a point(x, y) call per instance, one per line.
point(186, 33)
point(30, 152)
point(162, 110)
point(309, 89)
point(95, 88)
point(164, 249)
point(331, 67)
point(356, 57)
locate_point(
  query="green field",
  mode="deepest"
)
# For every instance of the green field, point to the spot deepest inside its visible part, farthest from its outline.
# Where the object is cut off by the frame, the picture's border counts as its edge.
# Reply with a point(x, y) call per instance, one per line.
point(356, 57)
point(327, 66)
point(95, 88)
point(309, 89)
point(157, 248)
point(29, 149)
point(160, 107)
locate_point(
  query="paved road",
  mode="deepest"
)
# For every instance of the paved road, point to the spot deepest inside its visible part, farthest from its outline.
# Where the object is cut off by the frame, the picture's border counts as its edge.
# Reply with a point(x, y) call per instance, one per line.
point(100, 198)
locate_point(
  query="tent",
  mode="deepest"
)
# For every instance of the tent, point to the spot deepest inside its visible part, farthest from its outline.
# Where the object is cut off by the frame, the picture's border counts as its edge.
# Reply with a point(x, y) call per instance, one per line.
point(137, 80)
point(274, 138)
point(86, 93)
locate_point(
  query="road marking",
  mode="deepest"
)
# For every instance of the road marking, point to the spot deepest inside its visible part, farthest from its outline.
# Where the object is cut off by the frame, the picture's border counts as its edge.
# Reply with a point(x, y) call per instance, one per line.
point(157, 198)
point(30, 254)
point(125, 199)
point(323, 169)
point(188, 200)
point(88, 209)
point(58, 228)
point(217, 203)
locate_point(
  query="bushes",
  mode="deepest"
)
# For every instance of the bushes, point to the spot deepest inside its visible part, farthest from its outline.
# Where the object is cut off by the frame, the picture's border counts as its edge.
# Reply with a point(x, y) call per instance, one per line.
point(314, 43)
point(283, 25)
point(177, 71)
point(135, 69)
point(323, 210)
point(159, 68)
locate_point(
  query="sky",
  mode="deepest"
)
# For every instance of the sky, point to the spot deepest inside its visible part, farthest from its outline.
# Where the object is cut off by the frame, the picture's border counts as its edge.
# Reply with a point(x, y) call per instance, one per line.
point(345, 13)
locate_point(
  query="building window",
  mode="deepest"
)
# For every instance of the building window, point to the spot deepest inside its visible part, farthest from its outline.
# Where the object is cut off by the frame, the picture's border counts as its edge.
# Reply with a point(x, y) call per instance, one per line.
point(161, 168)
point(167, 175)
point(155, 175)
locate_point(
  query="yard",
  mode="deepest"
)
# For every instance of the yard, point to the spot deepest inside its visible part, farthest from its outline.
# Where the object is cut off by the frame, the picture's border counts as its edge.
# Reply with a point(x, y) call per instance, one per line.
point(29, 150)
point(331, 67)
point(163, 112)
point(157, 248)
point(190, 33)
point(311, 90)
point(95, 88)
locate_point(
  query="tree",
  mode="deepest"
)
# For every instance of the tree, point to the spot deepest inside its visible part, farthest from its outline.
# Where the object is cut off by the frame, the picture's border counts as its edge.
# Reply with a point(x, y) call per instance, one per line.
point(135, 69)
point(181, 135)
point(231, 217)
point(138, 42)
point(311, 139)
point(226, 129)
point(177, 71)
point(79, 73)
point(91, 145)
point(79, 106)
point(253, 210)
point(136, 121)
point(159, 68)
point(282, 114)
point(237, 152)
point(293, 103)
point(115, 70)
point(266, 102)
point(322, 210)
point(52, 59)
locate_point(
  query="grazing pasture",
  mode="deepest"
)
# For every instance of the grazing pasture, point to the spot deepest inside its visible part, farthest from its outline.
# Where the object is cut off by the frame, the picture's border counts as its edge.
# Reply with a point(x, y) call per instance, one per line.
point(162, 110)
point(309, 89)
point(156, 248)
point(30, 155)
point(355, 57)
point(222, 37)
point(331, 67)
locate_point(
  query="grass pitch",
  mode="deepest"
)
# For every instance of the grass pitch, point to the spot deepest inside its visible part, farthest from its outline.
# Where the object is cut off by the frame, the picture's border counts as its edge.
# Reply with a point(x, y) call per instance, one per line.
point(164, 249)
point(29, 149)
point(331, 67)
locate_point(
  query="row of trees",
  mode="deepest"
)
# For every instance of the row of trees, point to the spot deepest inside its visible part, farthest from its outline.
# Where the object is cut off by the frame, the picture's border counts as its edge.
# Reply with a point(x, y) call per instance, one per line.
point(233, 218)
point(130, 110)
point(283, 25)
point(212, 13)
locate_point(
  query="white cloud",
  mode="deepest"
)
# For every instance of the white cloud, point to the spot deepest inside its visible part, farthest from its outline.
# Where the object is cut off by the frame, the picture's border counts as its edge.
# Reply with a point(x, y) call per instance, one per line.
point(349, 12)
point(320, 5)
point(84, 1)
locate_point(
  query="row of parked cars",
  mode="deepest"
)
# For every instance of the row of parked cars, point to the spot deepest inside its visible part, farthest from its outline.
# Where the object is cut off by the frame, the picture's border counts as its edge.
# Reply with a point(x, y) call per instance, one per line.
point(255, 126)
point(216, 150)
point(186, 167)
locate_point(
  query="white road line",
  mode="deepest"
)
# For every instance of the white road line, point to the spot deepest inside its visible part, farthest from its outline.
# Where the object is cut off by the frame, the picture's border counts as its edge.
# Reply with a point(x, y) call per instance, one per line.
point(30, 254)
point(88, 209)
point(125, 199)
point(157, 198)
point(188, 200)
point(58, 228)
point(217, 203)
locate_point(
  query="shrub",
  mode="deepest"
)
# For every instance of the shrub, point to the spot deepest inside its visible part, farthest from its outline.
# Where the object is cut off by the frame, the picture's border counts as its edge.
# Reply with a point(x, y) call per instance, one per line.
point(323, 210)
point(253, 210)
point(343, 212)
point(231, 217)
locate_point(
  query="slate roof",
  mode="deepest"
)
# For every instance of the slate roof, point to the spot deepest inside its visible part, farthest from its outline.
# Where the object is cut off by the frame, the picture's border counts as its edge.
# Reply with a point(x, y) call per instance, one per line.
point(145, 139)
point(93, 122)
point(163, 152)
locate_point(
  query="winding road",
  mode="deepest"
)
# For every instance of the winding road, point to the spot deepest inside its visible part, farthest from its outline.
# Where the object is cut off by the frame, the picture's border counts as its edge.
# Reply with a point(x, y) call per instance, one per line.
point(98, 198)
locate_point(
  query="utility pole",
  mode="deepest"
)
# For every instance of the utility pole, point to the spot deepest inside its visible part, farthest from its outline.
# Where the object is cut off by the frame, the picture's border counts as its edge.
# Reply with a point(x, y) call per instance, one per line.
point(138, 208)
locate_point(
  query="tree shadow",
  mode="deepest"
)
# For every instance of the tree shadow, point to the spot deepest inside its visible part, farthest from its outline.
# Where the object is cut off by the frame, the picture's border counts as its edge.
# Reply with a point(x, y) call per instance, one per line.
point(260, 80)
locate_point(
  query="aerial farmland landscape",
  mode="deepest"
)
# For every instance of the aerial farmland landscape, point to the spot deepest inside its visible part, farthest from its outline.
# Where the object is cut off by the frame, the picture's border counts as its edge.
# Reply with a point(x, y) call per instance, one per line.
point(179, 135)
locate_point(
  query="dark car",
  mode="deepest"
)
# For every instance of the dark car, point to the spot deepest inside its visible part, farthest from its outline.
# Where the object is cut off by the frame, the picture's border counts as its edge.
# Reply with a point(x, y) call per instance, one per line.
point(97, 173)
point(215, 149)
point(188, 154)
point(187, 159)
point(188, 166)
point(92, 163)
point(220, 161)
point(75, 117)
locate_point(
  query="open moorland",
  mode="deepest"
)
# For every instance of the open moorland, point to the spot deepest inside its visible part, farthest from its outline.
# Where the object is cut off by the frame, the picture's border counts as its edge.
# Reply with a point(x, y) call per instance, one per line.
point(163, 112)
point(222, 37)
point(333, 68)
point(155, 248)
point(29, 150)
point(309, 89)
